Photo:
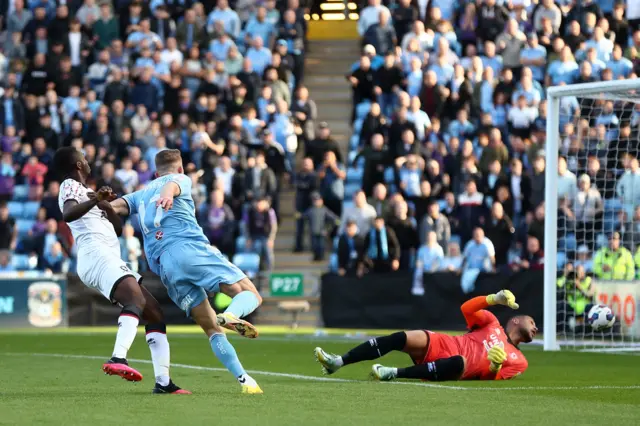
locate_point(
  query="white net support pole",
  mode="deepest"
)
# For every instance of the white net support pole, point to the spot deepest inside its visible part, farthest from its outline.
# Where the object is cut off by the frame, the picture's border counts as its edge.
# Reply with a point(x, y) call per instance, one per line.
point(551, 222)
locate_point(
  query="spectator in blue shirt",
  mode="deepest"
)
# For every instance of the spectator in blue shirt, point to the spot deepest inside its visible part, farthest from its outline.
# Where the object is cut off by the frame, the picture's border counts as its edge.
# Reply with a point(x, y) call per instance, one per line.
point(428, 260)
point(410, 170)
point(258, 26)
point(619, 66)
point(414, 77)
point(479, 255)
point(461, 127)
point(534, 56)
point(227, 16)
point(443, 69)
point(527, 90)
point(490, 59)
point(370, 52)
point(259, 55)
point(144, 37)
point(597, 65)
point(564, 70)
point(603, 45)
point(219, 47)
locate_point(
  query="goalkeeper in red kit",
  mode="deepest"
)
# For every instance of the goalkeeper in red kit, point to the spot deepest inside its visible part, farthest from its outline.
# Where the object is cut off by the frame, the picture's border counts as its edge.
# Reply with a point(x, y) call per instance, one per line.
point(487, 352)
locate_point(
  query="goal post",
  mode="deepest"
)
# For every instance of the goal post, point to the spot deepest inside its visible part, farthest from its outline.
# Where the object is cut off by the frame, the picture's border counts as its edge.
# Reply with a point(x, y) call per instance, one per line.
point(563, 243)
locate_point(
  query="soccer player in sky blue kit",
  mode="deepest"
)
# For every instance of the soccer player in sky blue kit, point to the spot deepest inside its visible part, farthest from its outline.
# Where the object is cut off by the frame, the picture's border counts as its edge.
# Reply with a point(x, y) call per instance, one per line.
point(178, 251)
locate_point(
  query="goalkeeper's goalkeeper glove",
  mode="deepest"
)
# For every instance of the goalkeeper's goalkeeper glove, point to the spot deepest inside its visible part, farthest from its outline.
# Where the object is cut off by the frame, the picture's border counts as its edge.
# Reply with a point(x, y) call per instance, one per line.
point(503, 297)
point(496, 356)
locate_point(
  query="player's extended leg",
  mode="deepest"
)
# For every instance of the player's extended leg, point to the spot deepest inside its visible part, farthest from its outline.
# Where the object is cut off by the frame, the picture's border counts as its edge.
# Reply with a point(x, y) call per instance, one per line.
point(440, 370)
point(204, 315)
point(156, 336)
point(129, 294)
point(246, 299)
point(413, 343)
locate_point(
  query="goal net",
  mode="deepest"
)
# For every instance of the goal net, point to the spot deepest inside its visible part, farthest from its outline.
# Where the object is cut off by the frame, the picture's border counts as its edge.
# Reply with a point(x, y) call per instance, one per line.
point(592, 214)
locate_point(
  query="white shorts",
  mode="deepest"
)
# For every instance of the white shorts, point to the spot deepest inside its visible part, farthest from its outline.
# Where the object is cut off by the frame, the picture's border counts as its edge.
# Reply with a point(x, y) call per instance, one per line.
point(103, 271)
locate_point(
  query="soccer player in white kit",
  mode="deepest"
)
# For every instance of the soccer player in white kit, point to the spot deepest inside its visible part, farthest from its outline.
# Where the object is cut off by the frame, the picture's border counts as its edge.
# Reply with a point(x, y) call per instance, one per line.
point(95, 227)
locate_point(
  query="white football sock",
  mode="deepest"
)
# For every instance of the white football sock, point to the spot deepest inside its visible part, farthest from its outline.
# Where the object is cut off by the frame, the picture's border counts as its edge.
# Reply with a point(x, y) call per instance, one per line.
point(160, 356)
point(127, 329)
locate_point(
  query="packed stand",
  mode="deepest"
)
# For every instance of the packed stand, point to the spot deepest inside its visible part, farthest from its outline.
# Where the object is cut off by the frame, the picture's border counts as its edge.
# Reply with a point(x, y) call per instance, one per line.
point(446, 165)
point(123, 80)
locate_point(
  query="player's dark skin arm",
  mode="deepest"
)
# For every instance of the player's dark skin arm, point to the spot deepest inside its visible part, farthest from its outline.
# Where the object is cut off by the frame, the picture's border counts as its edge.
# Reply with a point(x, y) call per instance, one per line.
point(112, 216)
point(73, 210)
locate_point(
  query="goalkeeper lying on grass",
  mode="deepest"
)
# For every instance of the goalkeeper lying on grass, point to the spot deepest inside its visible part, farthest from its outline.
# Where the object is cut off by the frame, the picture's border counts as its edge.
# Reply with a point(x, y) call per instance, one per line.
point(487, 352)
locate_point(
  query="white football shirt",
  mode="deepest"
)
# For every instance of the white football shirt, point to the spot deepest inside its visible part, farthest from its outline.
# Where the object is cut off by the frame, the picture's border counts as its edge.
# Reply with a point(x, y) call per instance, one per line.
point(93, 231)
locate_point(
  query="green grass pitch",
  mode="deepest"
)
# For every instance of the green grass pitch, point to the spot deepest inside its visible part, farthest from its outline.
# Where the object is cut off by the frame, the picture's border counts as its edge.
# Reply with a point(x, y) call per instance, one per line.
point(54, 378)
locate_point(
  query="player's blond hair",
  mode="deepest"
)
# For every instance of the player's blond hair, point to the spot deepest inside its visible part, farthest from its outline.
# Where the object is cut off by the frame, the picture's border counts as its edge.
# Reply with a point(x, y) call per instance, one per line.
point(168, 161)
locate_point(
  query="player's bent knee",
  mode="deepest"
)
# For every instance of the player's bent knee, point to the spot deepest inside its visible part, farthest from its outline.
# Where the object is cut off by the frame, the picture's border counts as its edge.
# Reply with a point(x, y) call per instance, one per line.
point(451, 368)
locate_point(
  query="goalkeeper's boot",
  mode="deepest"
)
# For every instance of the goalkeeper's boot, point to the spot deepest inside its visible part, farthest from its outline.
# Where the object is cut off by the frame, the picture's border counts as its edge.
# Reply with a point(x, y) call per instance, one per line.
point(170, 388)
point(249, 385)
point(120, 367)
point(330, 362)
point(382, 373)
point(240, 326)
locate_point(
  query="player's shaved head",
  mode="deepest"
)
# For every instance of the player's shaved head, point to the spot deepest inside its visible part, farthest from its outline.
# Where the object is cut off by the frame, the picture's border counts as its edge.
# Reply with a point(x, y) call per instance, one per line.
point(521, 328)
point(168, 161)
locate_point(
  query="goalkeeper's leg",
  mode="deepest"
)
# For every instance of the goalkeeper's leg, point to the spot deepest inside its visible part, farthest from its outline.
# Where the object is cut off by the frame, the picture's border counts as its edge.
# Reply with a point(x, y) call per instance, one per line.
point(440, 370)
point(414, 343)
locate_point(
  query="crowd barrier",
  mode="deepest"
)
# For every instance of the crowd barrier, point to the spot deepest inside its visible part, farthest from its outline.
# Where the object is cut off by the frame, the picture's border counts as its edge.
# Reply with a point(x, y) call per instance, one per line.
point(385, 301)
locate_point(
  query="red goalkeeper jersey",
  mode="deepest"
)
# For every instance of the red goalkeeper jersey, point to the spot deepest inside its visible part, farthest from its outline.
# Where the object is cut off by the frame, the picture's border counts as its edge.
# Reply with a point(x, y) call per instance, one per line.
point(485, 332)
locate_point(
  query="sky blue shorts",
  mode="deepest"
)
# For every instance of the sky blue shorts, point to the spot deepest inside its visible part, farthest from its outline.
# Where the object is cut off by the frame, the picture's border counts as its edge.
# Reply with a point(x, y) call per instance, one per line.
point(190, 270)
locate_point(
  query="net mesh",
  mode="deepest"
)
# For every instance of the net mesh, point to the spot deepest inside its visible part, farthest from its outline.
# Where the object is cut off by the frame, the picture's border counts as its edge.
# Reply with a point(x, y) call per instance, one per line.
point(598, 250)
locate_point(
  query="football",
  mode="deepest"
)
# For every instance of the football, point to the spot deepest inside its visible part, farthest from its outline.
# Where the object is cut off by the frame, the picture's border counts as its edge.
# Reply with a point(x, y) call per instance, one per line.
point(600, 317)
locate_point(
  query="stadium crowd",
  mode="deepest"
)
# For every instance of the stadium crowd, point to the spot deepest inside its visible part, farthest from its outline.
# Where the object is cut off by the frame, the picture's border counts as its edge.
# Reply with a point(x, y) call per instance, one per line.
point(123, 80)
point(446, 169)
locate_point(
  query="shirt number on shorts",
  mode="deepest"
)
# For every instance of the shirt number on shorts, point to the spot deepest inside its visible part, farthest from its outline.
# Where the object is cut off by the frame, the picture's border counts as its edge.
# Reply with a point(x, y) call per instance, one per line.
point(157, 216)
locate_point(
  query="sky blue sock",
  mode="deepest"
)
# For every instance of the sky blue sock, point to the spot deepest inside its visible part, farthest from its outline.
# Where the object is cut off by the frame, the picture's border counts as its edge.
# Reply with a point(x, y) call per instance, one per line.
point(243, 304)
point(226, 354)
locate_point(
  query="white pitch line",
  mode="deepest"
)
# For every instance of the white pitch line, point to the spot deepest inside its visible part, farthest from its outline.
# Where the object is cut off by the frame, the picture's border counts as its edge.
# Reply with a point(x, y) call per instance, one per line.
point(337, 380)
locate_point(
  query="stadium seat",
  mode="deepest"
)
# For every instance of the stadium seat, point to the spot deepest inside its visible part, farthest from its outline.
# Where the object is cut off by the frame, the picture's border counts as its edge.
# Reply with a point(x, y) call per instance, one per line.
point(362, 109)
point(351, 188)
point(352, 157)
point(569, 243)
point(389, 175)
point(354, 175)
point(23, 262)
point(612, 205)
point(31, 210)
point(21, 192)
point(347, 204)
point(249, 263)
point(333, 262)
point(241, 244)
point(561, 259)
point(15, 209)
point(354, 142)
point(601, 241)
point(23, 226)
point(357, 127)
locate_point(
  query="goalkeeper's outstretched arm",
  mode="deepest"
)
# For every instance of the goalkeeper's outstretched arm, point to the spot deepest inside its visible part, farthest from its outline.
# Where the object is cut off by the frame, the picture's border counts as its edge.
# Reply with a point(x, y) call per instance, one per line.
point(474, 309)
